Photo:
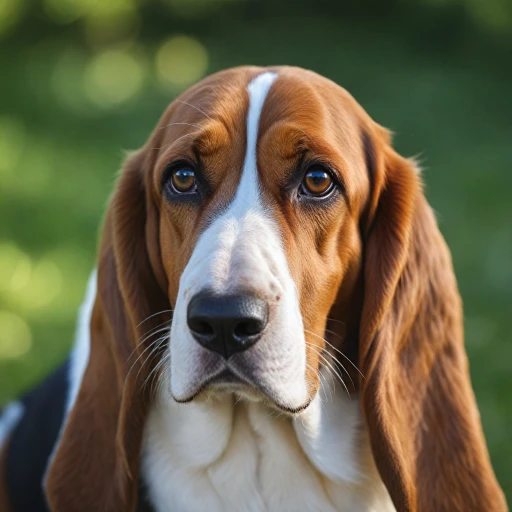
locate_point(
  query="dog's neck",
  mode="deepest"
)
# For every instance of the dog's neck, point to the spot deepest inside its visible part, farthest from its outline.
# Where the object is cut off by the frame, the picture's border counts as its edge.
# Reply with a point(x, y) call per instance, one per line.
point(230, 454)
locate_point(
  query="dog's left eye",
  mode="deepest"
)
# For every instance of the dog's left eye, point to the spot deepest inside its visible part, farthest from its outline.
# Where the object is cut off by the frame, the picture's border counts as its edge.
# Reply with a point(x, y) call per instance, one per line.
point(317, 182)
point(183, 180)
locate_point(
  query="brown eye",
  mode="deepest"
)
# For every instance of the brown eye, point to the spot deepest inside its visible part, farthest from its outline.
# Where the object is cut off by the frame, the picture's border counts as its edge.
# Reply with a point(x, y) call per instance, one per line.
point(183, 180)
point(317, 182)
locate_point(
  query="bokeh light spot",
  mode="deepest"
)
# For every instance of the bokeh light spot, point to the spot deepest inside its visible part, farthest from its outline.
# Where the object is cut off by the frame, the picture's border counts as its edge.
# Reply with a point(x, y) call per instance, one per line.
point(10, 14)
point(113, 77)
point(111, 21)
point(192, 9)
point(67, 11)
point(68, 81)
point(15, 336)
point(181, 61)
point(21, 275)
point(12, 135)
point(45, 284)
point(10, 258)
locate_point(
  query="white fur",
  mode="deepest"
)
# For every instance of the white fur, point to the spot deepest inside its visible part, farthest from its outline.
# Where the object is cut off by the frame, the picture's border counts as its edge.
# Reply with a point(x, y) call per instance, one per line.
point(81, 351)
point(11, 415)
point(79, 357)
point(225, 453)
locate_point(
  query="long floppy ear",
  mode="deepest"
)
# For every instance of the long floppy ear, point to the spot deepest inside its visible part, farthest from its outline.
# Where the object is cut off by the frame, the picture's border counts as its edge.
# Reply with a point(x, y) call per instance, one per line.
point(96, 462)
point(419, 406)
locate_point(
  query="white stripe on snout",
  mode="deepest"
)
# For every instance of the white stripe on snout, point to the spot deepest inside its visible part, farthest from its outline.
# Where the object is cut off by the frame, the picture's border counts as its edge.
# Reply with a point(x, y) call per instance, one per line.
point(246, 204)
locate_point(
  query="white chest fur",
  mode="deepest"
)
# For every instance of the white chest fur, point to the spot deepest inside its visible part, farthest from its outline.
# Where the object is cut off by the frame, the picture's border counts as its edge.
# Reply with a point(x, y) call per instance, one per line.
point(226, 456)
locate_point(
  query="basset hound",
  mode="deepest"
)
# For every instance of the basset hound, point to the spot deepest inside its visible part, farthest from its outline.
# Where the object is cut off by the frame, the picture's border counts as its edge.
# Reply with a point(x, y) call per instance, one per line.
point(274, 324)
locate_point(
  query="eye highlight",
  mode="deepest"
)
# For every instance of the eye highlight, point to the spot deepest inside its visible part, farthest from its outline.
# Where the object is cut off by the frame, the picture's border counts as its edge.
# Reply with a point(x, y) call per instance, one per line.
point(183, 180)
point(317, 182)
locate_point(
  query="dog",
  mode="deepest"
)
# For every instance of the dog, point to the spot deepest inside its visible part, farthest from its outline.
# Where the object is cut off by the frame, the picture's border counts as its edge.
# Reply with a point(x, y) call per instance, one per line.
point(274, 324)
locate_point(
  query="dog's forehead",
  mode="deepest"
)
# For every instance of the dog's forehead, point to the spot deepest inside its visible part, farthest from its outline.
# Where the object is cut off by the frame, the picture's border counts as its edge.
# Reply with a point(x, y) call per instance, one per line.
point(309, 101)
point(300, 107)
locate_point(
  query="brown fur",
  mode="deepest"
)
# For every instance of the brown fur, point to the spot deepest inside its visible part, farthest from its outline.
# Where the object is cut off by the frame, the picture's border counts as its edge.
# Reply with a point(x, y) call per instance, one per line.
point(372, 268)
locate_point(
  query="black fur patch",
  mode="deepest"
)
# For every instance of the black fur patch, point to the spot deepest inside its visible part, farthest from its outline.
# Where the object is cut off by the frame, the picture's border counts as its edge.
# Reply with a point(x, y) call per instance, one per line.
point(32, 442)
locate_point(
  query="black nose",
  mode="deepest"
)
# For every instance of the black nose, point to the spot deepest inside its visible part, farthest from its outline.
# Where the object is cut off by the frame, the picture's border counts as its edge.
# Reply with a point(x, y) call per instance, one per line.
point(227, 323)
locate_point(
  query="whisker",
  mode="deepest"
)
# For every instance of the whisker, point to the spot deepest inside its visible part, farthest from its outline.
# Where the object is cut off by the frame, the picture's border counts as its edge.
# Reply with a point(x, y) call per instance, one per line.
point(348, 359)
point(330, 365)
point(193, 106)
point(142, 353)
point(329, 344)
point(145, 350)
point(156, 369)
point(337, 350)
point(155, 314)
point(336, 362)
point(156, 347)
point(179, 138)
point(334, 320)
point(160, 381)
point(161, 329)
point(334, 333)
point(194, 125)
point(157, 382)
point(323, 383)
point(148, 334)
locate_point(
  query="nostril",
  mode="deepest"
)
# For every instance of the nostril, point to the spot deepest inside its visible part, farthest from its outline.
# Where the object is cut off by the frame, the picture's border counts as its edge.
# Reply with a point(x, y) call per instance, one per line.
point(248, 327)
point(202, 327)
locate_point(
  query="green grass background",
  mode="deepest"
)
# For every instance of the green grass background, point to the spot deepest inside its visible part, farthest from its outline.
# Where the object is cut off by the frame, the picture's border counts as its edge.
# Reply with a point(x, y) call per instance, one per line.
point(83, 80)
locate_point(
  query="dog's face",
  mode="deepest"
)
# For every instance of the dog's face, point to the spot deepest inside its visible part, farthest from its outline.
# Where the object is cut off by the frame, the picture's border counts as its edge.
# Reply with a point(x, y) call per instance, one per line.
point(261, 180)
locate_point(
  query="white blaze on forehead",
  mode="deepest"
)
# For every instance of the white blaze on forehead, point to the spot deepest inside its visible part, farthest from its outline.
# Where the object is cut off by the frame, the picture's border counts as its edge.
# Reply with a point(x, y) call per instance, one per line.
point(248, 190)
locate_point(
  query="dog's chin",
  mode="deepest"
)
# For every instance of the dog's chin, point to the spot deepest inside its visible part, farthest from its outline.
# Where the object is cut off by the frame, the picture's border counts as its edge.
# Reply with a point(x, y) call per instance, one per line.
point(228, 383)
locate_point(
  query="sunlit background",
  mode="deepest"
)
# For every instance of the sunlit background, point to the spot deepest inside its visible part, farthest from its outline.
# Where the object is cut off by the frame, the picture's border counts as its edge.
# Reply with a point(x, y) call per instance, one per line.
point(83, 80)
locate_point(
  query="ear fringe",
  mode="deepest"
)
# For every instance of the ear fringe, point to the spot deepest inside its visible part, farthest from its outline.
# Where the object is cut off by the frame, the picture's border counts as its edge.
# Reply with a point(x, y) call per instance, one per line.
point(96, 464)
point(424, 426)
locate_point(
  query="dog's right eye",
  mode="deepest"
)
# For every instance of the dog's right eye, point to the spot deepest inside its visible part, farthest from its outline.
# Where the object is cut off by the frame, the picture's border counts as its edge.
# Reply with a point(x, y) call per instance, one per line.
point(182, 180)
point(317, 183)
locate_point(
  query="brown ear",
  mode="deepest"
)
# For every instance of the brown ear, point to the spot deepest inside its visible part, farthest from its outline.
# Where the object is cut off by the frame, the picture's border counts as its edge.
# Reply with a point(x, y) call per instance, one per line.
point(96, 462)
point(421, 414)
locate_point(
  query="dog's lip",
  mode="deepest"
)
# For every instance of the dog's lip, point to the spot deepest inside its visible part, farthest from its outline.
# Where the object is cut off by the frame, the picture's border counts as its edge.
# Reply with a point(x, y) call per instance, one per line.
point(226, 378)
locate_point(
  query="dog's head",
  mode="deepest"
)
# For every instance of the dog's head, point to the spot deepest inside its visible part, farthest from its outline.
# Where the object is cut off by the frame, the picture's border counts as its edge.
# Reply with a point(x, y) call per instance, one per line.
point(269, 221)
point(261, 187)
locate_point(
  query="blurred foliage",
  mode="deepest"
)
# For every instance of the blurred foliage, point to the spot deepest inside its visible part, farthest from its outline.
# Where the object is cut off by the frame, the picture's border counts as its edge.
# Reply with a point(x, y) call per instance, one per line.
point(84, 79)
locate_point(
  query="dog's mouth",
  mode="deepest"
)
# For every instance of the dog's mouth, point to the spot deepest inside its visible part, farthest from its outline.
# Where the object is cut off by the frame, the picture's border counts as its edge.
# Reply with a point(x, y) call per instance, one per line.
point(227, 378)
point(223, 382)
point(228, 382)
